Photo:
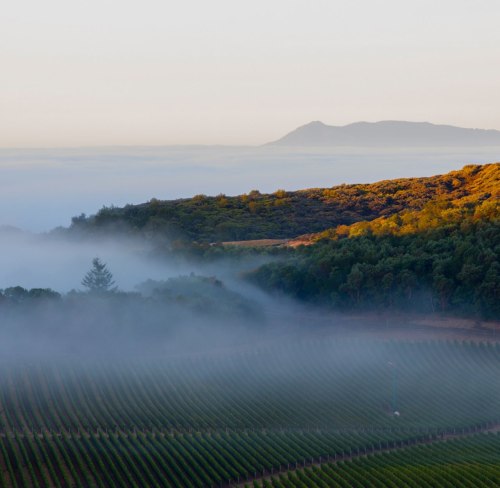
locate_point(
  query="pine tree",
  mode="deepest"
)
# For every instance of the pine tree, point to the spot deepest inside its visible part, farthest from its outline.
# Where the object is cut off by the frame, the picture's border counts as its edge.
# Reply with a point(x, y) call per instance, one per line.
point(99, 279)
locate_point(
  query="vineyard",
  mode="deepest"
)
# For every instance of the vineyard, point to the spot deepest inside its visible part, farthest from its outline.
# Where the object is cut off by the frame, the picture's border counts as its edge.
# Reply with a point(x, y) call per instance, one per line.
point(472, 462)
point(238, 418)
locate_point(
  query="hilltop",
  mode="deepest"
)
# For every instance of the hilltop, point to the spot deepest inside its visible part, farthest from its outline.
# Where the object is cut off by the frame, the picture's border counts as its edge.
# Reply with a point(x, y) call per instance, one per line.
point(472, 193)
point(288, 214)
point(388, 133)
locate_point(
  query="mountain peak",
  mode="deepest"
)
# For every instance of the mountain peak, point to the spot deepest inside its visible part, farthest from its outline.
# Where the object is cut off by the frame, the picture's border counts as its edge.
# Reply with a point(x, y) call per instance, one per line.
point(315, 123)
point(388, 133)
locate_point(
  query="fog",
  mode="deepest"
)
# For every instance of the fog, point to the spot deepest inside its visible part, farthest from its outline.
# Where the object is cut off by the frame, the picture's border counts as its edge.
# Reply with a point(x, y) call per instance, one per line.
point(179, 337)
point(43, 189)
point(161, 303)
point(164, 303)
point(43, 261)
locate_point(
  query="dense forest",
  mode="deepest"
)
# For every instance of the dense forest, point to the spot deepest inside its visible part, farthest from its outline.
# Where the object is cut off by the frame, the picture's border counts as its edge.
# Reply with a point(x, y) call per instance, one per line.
point(286, 214)
point(453, 269)
point(444, 257)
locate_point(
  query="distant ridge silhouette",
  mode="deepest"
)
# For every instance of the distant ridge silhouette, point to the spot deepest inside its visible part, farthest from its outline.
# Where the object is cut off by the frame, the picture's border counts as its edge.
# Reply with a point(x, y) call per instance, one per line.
point(388, 133)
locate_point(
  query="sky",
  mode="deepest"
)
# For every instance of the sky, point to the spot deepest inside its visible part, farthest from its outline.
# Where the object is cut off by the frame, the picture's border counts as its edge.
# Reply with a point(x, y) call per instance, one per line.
point(161, 72)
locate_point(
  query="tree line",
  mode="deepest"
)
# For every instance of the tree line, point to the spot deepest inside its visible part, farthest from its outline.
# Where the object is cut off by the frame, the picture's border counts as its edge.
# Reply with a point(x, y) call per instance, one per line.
point(449, 269)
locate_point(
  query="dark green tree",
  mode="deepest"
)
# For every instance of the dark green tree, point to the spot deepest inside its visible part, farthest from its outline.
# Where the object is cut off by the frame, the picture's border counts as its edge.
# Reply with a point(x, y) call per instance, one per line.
point(99, 279)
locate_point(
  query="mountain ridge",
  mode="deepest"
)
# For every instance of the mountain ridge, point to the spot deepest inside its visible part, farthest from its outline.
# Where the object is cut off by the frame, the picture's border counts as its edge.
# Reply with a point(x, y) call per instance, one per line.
point(387, 133)
point(288, 214)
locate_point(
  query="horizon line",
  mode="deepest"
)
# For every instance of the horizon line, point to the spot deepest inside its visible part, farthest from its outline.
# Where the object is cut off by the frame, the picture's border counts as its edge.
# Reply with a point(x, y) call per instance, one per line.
point(259, 145)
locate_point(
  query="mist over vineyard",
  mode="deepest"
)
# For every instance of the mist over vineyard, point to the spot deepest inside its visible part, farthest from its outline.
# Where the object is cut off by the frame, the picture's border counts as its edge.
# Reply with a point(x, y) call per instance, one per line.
point(138, 349)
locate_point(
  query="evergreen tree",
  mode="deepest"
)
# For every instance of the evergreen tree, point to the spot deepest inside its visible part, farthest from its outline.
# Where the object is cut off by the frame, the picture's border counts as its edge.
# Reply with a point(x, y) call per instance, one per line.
point(99, 279)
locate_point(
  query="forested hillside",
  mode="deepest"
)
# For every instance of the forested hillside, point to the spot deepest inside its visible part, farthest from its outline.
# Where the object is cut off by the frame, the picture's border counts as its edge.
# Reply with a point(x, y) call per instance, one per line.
point(444, 257)
point(284, 215)
point(420, 244)
point(474, 195)
point(454, 269)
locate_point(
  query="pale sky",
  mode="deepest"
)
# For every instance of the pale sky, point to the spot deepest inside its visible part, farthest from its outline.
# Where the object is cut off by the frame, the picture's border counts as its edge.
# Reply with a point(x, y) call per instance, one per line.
point(154, 72)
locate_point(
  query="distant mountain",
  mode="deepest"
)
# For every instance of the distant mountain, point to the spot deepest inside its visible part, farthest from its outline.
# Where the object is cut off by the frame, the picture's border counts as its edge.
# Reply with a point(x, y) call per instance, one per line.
point(388, 133)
